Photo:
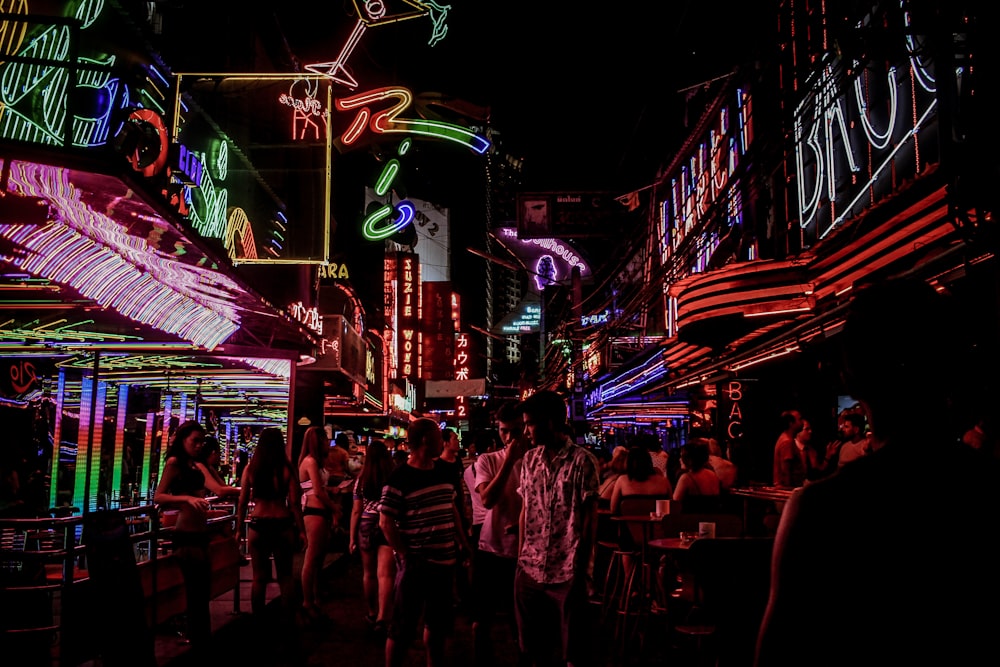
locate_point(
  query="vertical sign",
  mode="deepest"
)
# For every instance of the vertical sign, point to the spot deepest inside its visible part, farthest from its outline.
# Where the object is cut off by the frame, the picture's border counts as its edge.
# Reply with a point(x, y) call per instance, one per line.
point(463, 369)
point(408, 313)
point(389, 308)
point(731, 409)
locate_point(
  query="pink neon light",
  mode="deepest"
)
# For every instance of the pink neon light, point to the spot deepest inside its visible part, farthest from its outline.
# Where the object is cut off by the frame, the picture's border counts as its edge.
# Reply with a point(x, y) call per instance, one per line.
point(96, 256)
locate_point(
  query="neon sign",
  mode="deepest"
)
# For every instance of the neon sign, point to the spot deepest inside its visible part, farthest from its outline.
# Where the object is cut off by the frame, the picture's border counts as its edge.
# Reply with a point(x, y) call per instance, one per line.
point(853, 142)
point(408, 315)
point(309, 317)
point(372, 14)
point(734, 419)
point(594, 320)
point(389, 121)
point(533, 252)
point(333, 271)
point(305, 111)
point(462, 359)
point(95, 255)
point(34, 97)
point(704, 179)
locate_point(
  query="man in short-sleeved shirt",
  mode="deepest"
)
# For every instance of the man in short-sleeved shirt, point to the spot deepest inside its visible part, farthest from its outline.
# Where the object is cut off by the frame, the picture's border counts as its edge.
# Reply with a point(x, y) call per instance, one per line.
point(420, 521)
point(497, 479)
point(559, 490)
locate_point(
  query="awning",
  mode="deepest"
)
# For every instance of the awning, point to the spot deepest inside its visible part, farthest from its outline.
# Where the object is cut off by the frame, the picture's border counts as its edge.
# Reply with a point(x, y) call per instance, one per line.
point(94, 279)
point(104, 254)
point(916, 238)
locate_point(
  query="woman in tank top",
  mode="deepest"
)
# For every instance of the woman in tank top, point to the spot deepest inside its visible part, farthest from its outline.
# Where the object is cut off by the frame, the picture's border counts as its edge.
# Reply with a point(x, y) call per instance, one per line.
point(182, 487)
point(317, 511)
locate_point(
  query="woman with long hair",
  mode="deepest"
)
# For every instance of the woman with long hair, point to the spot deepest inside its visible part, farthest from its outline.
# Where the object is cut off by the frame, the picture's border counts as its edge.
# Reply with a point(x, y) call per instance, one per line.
point(207, 462)
point(641, 478)
point(182, 487)
point(698, 488)
point(276, 527)
point(378, 564)
point(317, 511)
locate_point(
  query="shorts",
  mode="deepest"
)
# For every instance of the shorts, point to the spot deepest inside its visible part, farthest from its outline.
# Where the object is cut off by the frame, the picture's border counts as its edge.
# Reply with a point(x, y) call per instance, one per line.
point(422, 588)
point(324, 512)
point(370, 536)
point(272, 533)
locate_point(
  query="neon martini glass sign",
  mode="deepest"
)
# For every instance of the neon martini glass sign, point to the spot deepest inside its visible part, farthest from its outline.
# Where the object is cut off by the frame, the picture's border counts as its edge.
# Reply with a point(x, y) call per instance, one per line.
point(373, 14)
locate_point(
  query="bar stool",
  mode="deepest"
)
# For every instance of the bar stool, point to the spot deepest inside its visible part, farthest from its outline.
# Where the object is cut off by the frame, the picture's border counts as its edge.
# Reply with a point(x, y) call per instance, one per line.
point(617, 582)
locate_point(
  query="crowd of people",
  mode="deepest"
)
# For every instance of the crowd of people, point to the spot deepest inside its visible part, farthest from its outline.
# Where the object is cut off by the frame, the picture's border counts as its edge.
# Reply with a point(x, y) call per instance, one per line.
point(510, 533)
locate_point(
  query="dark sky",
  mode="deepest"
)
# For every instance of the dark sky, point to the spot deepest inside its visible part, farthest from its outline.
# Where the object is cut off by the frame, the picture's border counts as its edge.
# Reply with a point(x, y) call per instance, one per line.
point(587, 96)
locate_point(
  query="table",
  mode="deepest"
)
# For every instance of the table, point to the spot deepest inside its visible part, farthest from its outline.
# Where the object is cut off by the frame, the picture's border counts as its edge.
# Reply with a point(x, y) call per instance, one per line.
point(646, 521)
point(776, 494)
point(671, 544)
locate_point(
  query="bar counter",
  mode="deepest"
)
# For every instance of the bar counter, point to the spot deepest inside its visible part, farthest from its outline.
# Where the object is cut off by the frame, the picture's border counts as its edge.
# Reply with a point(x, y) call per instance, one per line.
point(775, 493)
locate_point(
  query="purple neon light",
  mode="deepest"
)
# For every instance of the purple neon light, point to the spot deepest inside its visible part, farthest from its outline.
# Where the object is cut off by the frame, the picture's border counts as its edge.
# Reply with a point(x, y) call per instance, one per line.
point(95, 255)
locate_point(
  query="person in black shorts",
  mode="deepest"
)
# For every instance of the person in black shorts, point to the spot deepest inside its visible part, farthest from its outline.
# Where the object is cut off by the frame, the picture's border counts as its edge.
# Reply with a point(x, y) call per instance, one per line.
point(377, 561)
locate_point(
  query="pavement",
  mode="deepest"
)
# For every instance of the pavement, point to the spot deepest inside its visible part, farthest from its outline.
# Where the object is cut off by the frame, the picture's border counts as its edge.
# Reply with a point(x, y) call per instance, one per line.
point(346, 638)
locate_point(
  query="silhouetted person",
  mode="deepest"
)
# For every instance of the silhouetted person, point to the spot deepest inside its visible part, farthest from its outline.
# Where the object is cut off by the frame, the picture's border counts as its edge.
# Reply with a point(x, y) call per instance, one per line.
point(893, 560)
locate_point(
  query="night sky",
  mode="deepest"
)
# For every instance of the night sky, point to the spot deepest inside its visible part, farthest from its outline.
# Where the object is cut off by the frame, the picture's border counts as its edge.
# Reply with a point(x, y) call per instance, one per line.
point(588, 97)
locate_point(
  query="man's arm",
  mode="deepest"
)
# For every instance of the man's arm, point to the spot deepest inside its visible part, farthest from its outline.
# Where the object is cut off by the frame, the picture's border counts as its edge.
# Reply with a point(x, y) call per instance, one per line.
point(588, 535)
point(492, 491)
point(391, 531)
point(460, 537)
point(520, 531)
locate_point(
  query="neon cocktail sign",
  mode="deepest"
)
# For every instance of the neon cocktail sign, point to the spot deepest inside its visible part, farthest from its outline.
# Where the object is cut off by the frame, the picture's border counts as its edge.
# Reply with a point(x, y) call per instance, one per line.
point(372, 14)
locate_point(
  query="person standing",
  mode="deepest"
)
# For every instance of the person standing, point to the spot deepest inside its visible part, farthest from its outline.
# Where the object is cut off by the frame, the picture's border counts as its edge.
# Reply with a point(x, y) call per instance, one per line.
point(557, 532)
point(918, 580)
point(338, 469)
point(452, 460)
point(182, 486)
point(789, 471)
point(317, 513)
point(498, 476)
point(276, 526)
point(791, 458)
point(421, 522)
point(377, 562)
point(450, 456)
point(208, 463)
point(855, 443)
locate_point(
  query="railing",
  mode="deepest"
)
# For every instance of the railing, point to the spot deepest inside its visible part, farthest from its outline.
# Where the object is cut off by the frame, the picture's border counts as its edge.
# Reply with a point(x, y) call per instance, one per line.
point(47, 599)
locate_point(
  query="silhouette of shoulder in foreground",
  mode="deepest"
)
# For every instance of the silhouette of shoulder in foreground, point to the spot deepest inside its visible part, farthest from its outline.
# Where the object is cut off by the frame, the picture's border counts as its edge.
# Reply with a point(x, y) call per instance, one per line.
point(893, 559)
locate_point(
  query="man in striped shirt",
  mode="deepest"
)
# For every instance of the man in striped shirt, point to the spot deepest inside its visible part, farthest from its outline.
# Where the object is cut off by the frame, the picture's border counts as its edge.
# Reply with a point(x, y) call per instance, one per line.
point(421, 522)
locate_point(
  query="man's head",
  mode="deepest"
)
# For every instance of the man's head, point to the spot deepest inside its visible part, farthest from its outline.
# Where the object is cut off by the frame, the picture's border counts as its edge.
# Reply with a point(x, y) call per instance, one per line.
point(510, 426)
point(805, 433)
point(424, 438)
point(544, 414)
point(852, 426)
point(450, 440)
point(791, 421)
